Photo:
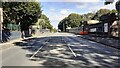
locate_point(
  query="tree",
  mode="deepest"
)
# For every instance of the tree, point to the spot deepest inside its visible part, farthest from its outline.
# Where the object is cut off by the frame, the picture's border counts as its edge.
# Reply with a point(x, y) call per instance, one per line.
point(46, 24)
point(76, 20)
point(73, 20)
point(113, 11)
point(87, 16)
point(63, 24)
point(23, 13)
point(100, 12)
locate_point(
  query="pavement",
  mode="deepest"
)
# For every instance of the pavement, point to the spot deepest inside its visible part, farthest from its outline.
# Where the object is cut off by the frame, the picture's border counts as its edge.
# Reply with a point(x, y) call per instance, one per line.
point(15, 35)
point(60, 50)
point(112, 42)
point(10, 50)
point(10, 43)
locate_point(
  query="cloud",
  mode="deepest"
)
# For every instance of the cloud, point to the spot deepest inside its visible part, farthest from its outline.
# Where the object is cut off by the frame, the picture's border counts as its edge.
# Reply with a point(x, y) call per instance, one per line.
point(110, 6)
point(57, 14)
point(52, 9)
point(70, 0)
point(93, 7)
point(81, 5)
point(64, 11)
point(56, 17)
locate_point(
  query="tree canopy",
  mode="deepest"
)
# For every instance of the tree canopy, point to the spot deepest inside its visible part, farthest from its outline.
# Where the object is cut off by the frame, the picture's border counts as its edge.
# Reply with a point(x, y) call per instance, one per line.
point(23, 13)
point(75, 20)
point(101, 12)
point(46, 24)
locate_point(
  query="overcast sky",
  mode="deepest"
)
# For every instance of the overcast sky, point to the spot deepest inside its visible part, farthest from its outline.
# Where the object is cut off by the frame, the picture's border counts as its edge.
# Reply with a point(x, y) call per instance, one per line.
point(56, 10)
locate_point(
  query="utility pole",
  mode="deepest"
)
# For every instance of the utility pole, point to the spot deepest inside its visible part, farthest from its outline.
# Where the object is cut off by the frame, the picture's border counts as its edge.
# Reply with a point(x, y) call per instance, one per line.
point(1, 21)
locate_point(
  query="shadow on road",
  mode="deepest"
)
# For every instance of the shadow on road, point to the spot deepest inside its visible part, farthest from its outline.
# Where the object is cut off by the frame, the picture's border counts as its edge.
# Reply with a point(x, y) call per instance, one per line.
point(55, 53)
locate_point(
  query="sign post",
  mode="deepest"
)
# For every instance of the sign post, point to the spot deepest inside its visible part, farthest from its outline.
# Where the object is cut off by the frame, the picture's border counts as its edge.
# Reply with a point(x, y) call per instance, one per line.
point(1, 21)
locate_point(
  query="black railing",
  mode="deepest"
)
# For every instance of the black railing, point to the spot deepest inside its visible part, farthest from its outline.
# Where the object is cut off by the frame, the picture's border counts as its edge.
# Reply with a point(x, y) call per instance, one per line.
point(5, 35)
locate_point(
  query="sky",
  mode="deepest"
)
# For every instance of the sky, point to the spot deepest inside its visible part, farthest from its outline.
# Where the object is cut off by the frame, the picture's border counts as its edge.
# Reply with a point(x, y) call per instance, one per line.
point(56, 10)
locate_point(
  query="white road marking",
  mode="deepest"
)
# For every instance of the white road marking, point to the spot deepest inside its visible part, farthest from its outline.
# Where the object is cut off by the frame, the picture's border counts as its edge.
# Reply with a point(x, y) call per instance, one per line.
point(36, 52)
point(72, 51)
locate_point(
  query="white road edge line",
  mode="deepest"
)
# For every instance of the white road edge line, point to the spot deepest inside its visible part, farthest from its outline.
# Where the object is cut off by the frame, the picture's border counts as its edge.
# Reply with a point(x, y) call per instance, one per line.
point(36, 52)
point(71, 49)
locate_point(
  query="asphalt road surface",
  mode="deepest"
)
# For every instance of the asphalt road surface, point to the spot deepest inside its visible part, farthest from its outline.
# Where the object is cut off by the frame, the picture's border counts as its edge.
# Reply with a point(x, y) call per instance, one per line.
point(61, 50)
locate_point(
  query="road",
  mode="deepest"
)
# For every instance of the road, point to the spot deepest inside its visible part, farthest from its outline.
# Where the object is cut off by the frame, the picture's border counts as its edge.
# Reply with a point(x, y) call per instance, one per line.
point(61, 50)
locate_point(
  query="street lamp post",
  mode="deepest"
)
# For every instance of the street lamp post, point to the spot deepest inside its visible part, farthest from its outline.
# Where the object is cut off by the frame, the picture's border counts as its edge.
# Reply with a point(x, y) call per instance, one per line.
point(1, 20)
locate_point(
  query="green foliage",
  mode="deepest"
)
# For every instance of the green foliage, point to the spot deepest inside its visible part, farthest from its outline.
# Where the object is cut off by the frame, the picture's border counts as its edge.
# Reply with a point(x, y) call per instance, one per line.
point(54, 30)
point(23, 13)
point(101, 12)
point(46, 24)
point(113, 11)
point(63, 24)
point(87, 16)
point(74, 20)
